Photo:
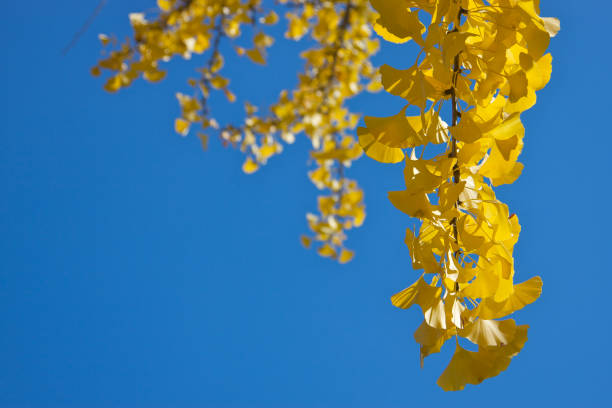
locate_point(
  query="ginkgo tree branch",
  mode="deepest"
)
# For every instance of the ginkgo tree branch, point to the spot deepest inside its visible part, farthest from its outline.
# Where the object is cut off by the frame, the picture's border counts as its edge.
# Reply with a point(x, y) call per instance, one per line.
point(468, 269)
point(332, 77)
point(455, 120)
point(337, 67)
point(344, 208)
point(214, 55)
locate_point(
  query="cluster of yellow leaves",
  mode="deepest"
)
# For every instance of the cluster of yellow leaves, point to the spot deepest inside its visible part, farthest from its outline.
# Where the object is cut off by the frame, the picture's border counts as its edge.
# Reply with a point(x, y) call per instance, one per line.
point(487, 58)
point(337, 67)
point(180, 29)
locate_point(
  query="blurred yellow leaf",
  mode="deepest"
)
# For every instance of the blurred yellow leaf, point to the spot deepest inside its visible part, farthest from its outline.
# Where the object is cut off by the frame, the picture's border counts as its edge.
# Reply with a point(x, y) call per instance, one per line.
point(345, 256)
point(181, 126)
point(250, 166)
point(256, 55)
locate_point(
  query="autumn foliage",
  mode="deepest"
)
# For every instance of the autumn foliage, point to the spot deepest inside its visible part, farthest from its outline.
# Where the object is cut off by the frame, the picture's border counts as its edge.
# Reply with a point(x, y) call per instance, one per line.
point(459, 133)
point(336, 68)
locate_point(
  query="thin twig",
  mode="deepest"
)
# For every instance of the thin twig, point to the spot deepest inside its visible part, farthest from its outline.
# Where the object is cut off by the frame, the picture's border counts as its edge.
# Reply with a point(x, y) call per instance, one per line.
point(84, 27)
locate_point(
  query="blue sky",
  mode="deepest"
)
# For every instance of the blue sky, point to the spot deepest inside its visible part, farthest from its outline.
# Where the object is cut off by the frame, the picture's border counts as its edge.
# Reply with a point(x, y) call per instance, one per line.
point(138, 271)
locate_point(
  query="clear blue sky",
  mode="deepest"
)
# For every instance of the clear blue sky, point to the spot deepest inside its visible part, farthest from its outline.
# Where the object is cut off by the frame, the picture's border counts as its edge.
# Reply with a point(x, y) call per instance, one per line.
point(138, 271)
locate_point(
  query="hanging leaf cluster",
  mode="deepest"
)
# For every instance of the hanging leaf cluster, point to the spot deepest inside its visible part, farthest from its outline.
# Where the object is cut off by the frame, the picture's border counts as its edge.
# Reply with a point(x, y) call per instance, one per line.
point(337, 68)
point(459, 133)
point(481, 63)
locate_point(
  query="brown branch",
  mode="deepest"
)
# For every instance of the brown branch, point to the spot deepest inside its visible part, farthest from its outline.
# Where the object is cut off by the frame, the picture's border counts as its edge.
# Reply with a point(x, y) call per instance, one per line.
point(455, 120)
point(340, 39)
point(344, 24)
point(211, 60)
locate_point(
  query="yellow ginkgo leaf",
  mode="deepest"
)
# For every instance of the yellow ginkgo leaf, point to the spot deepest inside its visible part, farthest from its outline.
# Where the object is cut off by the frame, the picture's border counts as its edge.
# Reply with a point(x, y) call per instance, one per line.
point(165, 5)
point(415, 205)
point(539, 74)
point(262, 40)
point(327, 251)
point(249, 166)
point(464, 368)
point(219, 82)
point(104, 39)
point(497, 217)
point(518, 86)
point(448, 194)
point(181, 126)
point(297, 27)
point(430, 339)
point(410, 84)
point(454, 44)
point(154, 75)
point(490, 333)
point(201, 44)
point(487, 281)
point(306, 241)
point(384, 137)
point(376, 150)
point(454, 312)
point(270, 18)
point(217, 63)
point(422, 256)
point(113, 84)
point(435, 315)
point(399, 20)
point(507, 146)
point(420, 293)
point(421, 175)
point(392, 131)
point(345, 256)
point(384, 33)
point(500, 171)
point(469, 367)
point(537, 38)
point(551, 25)
point(232, 27)
point(524, 294)
point(229, 95)
point(497, 168)
point(522, 104)
point(341, 154)
point(472, 238)
point(266, 151)
point(466, 131)
point(256, 55)
point(203, 140)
